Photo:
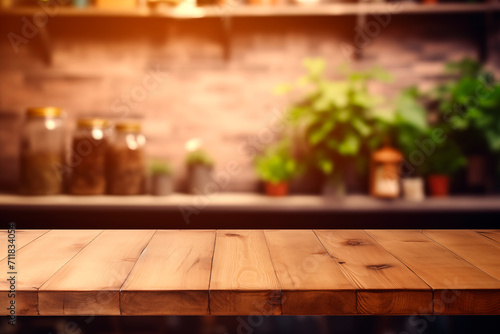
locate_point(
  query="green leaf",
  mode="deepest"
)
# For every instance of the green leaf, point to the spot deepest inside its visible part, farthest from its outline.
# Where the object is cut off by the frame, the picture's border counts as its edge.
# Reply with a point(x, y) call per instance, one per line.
point(410, 112)
point(318, 135)
point(282, 89)
point(361, 127)
point(350, 145)
point(315, 67)
point(326, 166)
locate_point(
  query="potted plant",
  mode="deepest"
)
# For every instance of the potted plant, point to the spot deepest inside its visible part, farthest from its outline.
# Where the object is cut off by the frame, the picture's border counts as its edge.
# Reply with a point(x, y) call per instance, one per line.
point(470, 104)
point(337, 122)
point(161, 178)
point(199, 164)
point(444, 162)
point(276, 167)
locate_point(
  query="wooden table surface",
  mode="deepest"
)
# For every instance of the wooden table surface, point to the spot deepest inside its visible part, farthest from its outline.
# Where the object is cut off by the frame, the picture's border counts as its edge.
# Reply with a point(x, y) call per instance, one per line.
point(248, 272)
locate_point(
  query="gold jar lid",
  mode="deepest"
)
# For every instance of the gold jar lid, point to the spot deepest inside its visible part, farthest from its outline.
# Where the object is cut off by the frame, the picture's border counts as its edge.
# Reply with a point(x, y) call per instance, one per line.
point(44, 112)
point(129, 126)
point(92, 123)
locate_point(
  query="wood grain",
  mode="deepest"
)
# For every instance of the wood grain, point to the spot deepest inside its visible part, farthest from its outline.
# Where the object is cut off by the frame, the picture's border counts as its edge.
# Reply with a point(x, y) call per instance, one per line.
point(172, 276)
point(490, 234)
point(459, 287)
point(37, 262)
point(22, 238)
point(385, 285)
point(311, 282)
point(483, 253)
point(89, 284)
point(243, 278)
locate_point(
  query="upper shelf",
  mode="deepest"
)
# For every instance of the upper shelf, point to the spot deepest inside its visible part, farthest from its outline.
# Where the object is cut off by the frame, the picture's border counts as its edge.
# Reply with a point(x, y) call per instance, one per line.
point(184, 12)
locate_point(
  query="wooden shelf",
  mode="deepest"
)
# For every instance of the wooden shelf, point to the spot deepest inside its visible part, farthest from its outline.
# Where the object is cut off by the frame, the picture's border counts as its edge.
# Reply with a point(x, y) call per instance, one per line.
point(249, 201)
point(246, 210)
point(393, 8)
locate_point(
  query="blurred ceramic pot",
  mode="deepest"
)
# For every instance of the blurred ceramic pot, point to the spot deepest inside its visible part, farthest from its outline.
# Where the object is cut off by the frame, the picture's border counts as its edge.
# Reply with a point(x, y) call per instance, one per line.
point(439, 185)
point(276, 189)
point(199, 177)
point(413, 189)
point(162, 185)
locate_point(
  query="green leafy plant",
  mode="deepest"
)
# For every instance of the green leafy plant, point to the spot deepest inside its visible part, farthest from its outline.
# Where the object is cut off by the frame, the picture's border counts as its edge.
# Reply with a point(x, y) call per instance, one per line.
point(276, 164)
point(470, 103)
point(159, 167)
point(199, 157)
point(446, 159)
point(337, 119)
point(410, 124)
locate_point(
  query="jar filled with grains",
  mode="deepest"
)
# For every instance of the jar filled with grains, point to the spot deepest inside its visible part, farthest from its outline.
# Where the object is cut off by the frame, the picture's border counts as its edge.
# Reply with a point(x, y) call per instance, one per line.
point(126, 160)
point(41, 154)
point(88, 155)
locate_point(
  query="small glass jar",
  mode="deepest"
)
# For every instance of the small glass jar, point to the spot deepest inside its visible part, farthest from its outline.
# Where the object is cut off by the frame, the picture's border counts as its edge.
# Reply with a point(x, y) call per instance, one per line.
point(126, 160)
point(88, 157)
point(42, 149)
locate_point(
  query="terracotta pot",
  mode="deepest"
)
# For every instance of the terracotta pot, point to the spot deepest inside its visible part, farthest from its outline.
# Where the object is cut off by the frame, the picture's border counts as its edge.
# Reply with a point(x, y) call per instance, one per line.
point(439, 185)
point(276, 189)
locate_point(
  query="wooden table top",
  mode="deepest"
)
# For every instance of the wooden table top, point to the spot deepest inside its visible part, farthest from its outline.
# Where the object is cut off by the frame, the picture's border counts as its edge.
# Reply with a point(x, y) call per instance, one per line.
point(249, 272)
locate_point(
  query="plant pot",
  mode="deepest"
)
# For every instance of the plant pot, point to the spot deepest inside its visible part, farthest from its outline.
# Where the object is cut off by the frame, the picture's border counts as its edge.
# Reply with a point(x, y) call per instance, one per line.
point(276, 189)
point(199, 177)
point(162, 185)
point(439, 185)
point(413, 189)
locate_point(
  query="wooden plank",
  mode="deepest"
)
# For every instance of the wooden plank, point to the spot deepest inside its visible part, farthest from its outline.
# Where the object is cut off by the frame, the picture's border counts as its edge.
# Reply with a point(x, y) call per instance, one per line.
point(36, 263)
point(385, 285)
point(459, 287)
point(311, 282)
point(243, 279)
point(172, 276)
point(491, 234)
point(22, 238)
point(89, 284)
point(472, 247)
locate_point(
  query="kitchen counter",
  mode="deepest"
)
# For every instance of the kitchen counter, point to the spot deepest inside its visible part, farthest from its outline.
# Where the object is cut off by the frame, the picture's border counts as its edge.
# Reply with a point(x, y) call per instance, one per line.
point(257, 272)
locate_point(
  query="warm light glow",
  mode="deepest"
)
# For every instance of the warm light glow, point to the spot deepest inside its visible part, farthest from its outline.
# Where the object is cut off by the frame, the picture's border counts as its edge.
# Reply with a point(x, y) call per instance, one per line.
point(97, 134)
point(50, 124)
point(193, 144)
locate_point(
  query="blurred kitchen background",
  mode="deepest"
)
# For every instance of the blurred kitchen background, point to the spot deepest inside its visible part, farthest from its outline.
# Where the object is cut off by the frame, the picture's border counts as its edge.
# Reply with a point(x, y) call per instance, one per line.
point(215, 68)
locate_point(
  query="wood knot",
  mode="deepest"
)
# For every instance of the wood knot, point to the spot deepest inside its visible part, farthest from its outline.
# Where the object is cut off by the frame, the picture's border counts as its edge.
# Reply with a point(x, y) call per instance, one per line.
point(379, 266)
point(354, 242)
point(341, 262)
point(232, 235)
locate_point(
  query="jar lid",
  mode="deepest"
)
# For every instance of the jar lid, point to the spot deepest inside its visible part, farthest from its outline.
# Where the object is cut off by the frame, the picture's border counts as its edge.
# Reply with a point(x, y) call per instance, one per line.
point(44, 112)
point(92, 123)
point(129, 126)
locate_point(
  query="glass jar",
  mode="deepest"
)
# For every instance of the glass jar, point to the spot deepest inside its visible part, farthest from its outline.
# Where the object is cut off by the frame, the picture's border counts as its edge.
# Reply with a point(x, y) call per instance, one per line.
point(126, 160)
point(42, 149)
point(88, 157)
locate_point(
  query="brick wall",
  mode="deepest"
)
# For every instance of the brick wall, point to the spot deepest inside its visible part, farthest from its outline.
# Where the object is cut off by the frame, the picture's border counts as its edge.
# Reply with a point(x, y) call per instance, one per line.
point(107, 66)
